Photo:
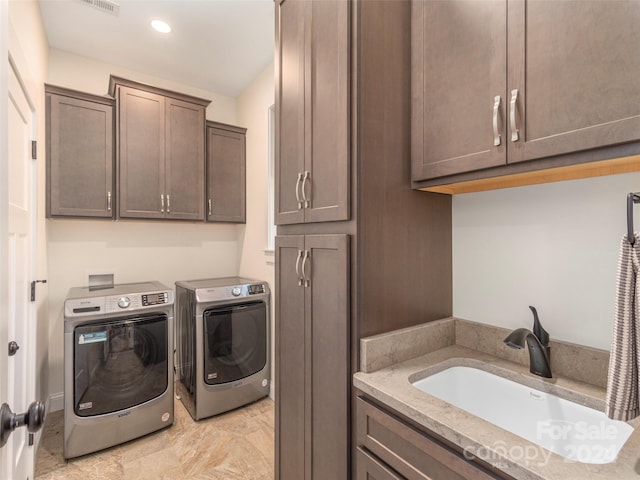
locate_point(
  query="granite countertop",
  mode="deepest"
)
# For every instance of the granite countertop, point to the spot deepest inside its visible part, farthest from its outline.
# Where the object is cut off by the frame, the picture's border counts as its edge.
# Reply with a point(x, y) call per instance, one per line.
point(509, 453)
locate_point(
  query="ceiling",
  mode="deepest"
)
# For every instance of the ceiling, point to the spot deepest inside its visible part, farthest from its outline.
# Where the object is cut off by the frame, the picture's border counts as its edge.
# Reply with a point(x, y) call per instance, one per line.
point(215, 45)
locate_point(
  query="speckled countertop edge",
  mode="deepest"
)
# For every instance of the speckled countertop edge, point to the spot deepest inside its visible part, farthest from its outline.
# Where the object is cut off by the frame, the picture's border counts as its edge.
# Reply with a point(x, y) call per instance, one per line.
point(511, 454)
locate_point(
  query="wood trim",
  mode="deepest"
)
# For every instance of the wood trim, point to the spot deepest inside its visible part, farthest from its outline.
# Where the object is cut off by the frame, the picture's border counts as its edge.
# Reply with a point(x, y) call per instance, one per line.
point(225, 126)
point(572, 172)
point(114, 81)
point(68, 92)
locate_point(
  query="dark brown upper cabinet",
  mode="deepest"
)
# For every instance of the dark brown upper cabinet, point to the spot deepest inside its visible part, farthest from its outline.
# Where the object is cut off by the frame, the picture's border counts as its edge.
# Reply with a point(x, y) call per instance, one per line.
point(312, 111)
point(80, 154)
point(566, 92)
point(161, 152)
point(226, 173)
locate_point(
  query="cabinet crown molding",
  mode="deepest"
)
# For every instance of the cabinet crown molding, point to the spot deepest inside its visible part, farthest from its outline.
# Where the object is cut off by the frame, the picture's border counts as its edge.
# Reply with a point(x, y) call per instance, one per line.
point(114, 81)
point(226, 126)
point(68, 92)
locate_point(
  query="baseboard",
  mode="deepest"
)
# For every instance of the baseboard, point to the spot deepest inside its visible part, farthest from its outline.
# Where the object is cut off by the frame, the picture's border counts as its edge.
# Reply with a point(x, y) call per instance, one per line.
point(56, 402)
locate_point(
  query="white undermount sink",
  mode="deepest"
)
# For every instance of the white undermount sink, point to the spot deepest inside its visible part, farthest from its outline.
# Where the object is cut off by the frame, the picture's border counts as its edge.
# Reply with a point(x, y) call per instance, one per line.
point(573, 431)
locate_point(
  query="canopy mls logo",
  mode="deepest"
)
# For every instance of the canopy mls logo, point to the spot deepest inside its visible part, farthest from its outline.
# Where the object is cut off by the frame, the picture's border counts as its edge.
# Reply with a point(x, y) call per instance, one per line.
point(563, 430)
point(583, 442)
point(501, 455)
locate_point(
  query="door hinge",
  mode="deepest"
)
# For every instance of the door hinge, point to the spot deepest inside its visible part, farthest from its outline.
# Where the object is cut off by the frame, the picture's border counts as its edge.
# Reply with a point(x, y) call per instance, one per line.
point(33, 288)
point(34, 150)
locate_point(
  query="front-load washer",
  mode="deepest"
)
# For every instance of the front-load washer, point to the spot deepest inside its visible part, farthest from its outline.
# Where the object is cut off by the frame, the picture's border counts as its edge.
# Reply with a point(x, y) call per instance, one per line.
point(118, 380)
point(222, 344)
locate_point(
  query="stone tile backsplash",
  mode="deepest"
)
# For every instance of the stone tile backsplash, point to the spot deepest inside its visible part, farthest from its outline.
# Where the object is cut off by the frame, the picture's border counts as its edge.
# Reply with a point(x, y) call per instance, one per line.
point(576, 362)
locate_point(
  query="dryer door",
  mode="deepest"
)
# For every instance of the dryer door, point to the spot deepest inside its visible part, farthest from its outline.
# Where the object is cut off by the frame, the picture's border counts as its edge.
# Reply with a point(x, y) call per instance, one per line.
point(119, 364)
point(235, 342)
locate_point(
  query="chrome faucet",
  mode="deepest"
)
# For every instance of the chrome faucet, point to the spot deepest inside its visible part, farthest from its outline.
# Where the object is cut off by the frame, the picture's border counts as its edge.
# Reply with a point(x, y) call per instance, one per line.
point(538, 343)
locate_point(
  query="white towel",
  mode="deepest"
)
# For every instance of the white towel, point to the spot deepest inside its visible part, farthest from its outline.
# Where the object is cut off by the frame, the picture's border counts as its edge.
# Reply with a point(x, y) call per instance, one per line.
point(623, 399)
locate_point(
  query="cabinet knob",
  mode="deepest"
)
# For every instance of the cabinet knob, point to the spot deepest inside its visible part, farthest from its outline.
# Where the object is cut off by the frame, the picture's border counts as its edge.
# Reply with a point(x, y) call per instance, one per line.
point(210, 207)
point(168, 203)
point(162, 203)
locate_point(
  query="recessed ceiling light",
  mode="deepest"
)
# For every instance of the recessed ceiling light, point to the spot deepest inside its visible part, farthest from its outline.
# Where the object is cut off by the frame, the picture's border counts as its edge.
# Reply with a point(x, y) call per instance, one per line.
point(161, 26)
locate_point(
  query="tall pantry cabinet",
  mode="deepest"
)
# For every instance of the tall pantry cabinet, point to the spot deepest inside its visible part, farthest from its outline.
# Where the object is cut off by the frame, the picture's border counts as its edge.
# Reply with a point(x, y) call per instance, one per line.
point(358, 252)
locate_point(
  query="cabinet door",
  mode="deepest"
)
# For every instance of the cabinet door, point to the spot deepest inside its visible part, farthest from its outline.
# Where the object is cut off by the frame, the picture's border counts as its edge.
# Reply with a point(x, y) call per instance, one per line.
point(289, 151)
point(327, 60)
point(226, 165)
point(141, 146)
point(575, 65)
point(312, 360)
point(184, 160)
point(80, 157)
point(458, 86)
point(409, 452)
point(369, 468)
point(290, 360)
point(327, 356)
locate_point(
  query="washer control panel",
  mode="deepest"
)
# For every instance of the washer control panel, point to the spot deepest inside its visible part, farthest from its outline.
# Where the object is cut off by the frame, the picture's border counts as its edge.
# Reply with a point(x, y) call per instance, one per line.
point(116, 303)
point(154, 299)
point(256, 289)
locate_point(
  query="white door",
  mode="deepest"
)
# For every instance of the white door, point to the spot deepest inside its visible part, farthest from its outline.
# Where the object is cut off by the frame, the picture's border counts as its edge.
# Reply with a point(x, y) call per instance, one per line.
point(17, 258)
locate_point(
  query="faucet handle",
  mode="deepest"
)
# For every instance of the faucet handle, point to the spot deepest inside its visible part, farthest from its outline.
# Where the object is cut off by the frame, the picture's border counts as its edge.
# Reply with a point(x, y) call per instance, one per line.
point(538, 331)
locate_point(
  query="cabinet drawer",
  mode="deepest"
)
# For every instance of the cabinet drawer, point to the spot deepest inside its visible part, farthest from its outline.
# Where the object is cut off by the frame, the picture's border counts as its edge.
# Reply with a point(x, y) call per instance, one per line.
point(410, 452)
point(370, 468)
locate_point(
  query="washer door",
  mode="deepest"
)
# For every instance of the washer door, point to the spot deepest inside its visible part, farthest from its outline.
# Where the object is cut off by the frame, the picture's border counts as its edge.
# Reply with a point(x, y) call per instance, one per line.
point(235, 342)
point(119, 364)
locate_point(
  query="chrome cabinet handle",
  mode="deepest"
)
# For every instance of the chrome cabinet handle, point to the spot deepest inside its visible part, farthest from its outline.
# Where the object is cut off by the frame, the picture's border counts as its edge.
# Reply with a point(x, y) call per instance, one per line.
point(210, 207)
point(162, 203)
point(300, 279)
point(168, 203)
point(109, 201)
point(307, 280)
point(298, 190)
point(305, 180)
point(515, 134)
point(497, 138)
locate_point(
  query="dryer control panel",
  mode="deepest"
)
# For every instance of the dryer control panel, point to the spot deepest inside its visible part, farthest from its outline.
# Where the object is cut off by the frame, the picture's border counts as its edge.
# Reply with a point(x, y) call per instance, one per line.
point(230, 292)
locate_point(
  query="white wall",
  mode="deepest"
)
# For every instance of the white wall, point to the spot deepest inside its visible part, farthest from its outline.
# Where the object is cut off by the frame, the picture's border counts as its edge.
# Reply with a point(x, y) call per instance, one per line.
point(92, 76)
point(133, 250)
point(253, 105)
point(31, 45)
point(553, 246)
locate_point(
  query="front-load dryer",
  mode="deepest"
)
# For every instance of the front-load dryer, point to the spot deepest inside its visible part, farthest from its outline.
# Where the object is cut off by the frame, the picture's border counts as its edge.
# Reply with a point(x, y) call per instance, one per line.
point(222, 344)
point(118, 381)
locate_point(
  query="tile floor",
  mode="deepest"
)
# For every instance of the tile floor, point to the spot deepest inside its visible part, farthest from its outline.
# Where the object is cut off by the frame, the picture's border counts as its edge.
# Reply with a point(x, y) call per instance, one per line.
point(237, 445)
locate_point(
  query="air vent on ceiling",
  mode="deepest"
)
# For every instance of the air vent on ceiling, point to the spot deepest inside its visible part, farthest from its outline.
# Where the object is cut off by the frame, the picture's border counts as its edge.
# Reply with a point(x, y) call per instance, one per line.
point(103, 5)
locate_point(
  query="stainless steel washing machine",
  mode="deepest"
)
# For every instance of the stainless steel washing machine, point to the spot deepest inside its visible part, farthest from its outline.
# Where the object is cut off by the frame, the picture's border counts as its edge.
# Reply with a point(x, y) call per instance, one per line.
point(222, 344)
point(118, 383)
